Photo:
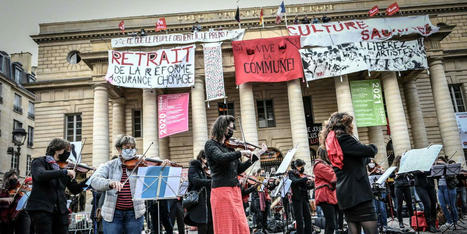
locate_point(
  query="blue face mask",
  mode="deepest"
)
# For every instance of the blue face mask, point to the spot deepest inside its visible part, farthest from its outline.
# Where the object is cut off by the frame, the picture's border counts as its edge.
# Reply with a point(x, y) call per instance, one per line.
point(128, 154)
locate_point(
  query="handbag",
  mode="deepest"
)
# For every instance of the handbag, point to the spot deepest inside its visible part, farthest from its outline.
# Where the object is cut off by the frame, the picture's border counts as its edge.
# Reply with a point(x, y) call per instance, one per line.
point(191, 199)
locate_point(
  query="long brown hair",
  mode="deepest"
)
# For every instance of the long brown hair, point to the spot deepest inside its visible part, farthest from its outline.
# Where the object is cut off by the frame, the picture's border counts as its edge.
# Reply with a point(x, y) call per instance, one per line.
point(323, 154)
point(339, 122)
point(220, 126)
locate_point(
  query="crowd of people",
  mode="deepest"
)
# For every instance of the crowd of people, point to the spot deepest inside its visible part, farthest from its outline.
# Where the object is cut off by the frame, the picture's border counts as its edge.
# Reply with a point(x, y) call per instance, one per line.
point(228, 187)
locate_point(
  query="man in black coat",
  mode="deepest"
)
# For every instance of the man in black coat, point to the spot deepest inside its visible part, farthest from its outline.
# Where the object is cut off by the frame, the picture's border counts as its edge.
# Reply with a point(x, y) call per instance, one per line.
point(47, 204)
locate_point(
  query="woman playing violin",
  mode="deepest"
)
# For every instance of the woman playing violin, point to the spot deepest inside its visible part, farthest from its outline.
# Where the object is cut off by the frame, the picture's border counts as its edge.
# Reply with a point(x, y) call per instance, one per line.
point(301, 183)
point(120, 213)
point(8, 201)
point(226, 199)
point(47, 202)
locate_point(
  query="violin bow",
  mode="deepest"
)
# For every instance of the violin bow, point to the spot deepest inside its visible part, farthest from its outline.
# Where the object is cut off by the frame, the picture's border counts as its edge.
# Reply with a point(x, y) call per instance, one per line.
point(137, 164)
point(78, 160)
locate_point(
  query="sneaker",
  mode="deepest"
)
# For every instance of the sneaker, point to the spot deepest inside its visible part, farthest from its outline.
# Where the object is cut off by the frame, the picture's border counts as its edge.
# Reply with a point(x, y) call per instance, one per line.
point(401, 225)
point(445, 227)
point(433, 229)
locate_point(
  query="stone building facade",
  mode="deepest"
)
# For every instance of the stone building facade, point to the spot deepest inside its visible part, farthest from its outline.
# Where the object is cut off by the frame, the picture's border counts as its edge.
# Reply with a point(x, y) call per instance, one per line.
point(75, 102)
point(16, 111)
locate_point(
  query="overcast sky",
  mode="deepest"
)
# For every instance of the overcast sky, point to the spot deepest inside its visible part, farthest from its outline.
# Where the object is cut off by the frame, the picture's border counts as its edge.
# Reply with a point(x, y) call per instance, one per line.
point(21, 18)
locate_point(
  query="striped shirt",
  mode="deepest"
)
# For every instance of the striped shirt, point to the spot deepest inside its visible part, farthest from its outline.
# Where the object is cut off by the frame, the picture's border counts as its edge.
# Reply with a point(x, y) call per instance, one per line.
point(124, 199)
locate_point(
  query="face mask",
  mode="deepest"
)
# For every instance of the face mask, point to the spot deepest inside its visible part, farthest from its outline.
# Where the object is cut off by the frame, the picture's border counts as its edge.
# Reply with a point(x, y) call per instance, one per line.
point(302, 170)
point(229, 134)
point(13, 183)
point(128, 154)
point(371, 165)
point(30, 186)
point(63, 157)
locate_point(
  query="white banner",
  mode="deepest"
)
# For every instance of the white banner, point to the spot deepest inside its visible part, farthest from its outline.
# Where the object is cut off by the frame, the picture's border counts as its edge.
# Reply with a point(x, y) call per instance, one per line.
point(166, 68)
point(373, 56)
point(188, 38)
point(213, 71)
point(376, 29)
point(396, 55)
point(461, 118)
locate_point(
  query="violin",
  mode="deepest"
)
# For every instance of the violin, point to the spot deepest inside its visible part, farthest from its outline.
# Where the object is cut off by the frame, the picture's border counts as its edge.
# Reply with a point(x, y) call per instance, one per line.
point(237, 144)
point(80, 167)
point(132, 163)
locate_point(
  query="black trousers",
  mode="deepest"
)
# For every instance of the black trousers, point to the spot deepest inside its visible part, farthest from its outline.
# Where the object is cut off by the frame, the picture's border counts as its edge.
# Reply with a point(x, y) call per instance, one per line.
point(49, 223)
point(330, 215)
point(177, 213)
point(403, 194)
point(164, 217)
point(205, 228)
point(428, 197)
point(302, 213)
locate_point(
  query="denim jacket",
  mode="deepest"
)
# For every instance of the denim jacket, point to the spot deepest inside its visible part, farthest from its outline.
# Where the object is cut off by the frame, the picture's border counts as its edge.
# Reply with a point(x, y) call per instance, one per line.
point(100, 180)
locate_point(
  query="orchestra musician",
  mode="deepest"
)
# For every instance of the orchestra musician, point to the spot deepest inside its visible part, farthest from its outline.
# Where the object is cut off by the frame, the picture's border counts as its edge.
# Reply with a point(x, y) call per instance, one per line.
point(120, 213)
point(8, 201)
point(301, 183)
point(226, 200)
point(47, 204)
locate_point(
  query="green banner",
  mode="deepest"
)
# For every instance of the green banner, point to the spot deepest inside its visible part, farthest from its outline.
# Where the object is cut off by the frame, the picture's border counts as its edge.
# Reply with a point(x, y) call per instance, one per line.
point(367, 100)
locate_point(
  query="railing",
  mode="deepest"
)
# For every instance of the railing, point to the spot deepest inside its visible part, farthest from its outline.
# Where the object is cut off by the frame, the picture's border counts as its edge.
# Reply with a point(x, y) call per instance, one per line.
point(18, 109)
point(31, 115)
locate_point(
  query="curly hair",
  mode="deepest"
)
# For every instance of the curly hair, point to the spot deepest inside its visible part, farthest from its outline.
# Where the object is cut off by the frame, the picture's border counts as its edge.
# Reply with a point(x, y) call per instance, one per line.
point(340, 123)
point(55, 145)
point(220, 126)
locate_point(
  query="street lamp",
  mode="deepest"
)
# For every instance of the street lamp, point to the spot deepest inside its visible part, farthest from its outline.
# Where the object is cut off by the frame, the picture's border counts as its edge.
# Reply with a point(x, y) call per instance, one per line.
point(19, 136)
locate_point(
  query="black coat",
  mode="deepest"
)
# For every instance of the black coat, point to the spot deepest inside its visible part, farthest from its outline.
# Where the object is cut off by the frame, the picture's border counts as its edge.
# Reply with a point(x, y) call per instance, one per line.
point(48, 188)
point(224, 163)
point(299, 186)
point(197, 180)
point(353, 185)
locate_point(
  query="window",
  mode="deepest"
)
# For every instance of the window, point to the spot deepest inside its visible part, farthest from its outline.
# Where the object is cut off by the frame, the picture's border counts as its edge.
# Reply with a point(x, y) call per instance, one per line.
point(28, 165)
point(18, 74)
point(457, 97)
point(17, 104)
point(73, 127)
point(137, 123)
point(226, 108)
point(265, 114)
point(30, 136)
point(31, 110)
point(1, 93)
point(17, 124)
point(73, 57)
point(1, 63)
point(15, 161)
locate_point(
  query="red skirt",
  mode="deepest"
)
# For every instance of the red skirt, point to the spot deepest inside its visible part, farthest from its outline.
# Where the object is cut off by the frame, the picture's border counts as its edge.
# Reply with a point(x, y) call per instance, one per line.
point(228, 215)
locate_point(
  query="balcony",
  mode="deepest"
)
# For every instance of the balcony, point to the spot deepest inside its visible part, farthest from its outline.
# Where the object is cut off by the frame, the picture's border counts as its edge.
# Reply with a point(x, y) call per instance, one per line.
point(18, 109)
point(31, 116)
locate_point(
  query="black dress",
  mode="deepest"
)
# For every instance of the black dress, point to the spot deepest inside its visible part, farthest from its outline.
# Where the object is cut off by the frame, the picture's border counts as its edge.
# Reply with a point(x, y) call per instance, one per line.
point(353, 186)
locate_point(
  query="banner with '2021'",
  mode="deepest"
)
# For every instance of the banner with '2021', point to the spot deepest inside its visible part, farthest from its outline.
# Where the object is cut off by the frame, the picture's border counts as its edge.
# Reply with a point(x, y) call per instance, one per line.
point(165, 68)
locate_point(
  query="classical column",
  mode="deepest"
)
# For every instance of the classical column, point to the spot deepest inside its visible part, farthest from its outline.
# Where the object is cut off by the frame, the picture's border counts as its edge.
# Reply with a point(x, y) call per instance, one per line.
point(396, 115)
point(445, 112)
point(376, 136)
point(344, 99)
point(198, 116)
point(164, 152)
point(118, 121)
point(150, 123)
point(100, 126)
point(297, 121)
point(419, 135)
point(248, 113)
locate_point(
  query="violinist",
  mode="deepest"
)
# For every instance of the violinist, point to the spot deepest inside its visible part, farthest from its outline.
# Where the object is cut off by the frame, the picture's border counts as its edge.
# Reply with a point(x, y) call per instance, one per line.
point(200, 215)
point(47, 205)
point(301, 183)
point(261, 200)
point(120, 213)
point(8, 201)
point(226, 199)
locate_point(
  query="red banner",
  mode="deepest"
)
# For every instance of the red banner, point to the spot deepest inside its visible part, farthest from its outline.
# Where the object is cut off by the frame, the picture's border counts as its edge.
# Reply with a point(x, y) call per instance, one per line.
point(373, 11)
point(267, 60)
point(161, 25)
point(392, 9)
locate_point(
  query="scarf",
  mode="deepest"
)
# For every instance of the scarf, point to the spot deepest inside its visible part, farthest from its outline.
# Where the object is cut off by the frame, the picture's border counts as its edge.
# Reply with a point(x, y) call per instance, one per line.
point(334, 150)
point(52, 162)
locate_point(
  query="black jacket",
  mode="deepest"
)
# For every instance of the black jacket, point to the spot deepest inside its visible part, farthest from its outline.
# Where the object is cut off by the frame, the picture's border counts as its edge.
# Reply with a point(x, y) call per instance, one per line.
point(353, 185)
point(299, 186)
point(224, 163)
point(423, 179)
point(48, 188)
point(198, 179)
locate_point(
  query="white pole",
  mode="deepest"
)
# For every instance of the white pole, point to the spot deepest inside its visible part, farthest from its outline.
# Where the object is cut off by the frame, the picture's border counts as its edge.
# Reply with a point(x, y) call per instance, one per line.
point(285, 14)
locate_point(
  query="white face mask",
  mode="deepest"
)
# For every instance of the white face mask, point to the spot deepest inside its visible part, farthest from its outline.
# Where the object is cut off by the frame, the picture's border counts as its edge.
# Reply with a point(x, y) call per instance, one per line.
point(30, 186)
point(128, 154)
point(371, 165)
